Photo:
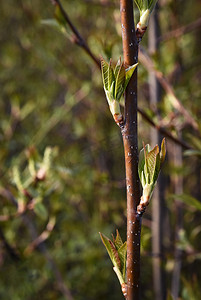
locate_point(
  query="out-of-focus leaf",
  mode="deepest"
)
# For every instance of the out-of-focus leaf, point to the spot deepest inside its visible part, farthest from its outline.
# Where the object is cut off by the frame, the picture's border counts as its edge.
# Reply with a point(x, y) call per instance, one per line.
point(41, 210)
point(50, 22)
point(192, 153)
point(169, 296)
point(163, 151)
point(189, 200)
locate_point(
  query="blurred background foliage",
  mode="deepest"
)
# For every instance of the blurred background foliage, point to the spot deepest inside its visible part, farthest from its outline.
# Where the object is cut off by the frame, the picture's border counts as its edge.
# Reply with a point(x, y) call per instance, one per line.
point(62, 166)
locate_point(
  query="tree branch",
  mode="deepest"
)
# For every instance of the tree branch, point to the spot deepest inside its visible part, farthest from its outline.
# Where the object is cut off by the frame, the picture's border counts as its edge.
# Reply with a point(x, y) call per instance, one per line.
point(97, 62)
point(164, 132)
point(180, 31)
point(78, 39)
point(130, 139)
point(148, 64)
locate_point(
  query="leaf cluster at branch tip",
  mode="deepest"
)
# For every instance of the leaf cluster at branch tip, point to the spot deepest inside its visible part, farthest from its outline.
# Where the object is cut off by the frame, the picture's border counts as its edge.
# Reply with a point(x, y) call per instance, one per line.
point(117, 251)
point(150, 162)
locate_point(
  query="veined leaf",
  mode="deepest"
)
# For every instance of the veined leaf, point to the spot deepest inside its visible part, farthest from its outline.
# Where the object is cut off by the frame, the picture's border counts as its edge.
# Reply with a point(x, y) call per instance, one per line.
point(140, 4)
point(151, 162)
point(120, 80)
point(122, 251)
point(117, 67)
point(110, 74)
point(163, 151)
point(129, 73)
point(112, 251)
point(151, 4)
point(141, 164)
point(117, 241)
point(157, 169)
point(104, 68)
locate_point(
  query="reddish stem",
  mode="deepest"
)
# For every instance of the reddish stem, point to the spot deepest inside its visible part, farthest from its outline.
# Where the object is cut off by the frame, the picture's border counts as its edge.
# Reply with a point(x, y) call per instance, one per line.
point(130, 139)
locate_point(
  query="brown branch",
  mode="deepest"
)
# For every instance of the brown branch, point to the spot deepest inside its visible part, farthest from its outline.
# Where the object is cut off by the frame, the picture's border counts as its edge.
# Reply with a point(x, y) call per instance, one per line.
point(148, 64)
point(78, 39)
point(41, 238)
point(130, 139)
point(97, 62)
point(164, 132)
point(180, 31)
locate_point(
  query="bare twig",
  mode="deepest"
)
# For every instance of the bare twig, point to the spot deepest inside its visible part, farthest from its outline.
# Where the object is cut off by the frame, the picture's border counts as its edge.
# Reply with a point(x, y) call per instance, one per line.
point(78, 39)
point(164, 132)
point(42, 237)
point(97, 62)
point(148, 64)
point(180, 31)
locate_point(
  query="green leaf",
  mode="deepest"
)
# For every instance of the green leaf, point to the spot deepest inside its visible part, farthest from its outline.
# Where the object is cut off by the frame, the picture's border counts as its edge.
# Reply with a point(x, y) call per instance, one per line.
point(157, 169)
point(59, 16)
point(192, 153)
point(112, 251)
point(50, 22)
point(140, 4)
point(117, 241)
point(145, 4)
point(141, 162)
point(122, 251)
point(117, 67)
point(129, 73)
point(41, 211)
point(120, 80)
point(189, 200)
point(104, 69)
point(110, 75)
point(151, 4)
point(163, 151)
point(169, 296)
point(151, 162)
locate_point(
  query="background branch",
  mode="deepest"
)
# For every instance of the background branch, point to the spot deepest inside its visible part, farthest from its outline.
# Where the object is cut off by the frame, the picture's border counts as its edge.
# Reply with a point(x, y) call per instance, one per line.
point(41, 246)
point(149, 67)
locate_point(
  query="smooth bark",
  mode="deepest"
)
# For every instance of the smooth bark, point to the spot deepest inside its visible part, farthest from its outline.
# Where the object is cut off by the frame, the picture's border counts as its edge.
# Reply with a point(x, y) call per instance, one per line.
point(130, 139)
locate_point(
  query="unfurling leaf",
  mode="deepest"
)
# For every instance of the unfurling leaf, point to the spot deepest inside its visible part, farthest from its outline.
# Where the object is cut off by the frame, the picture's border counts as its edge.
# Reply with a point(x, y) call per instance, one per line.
point(149, 166)
point(117, 251)
point(117, 241)
point(145, 7)
point(115, 81)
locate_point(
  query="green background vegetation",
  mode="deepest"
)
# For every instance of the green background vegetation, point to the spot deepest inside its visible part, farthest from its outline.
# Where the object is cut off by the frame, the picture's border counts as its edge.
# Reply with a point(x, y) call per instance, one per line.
point(54, 116)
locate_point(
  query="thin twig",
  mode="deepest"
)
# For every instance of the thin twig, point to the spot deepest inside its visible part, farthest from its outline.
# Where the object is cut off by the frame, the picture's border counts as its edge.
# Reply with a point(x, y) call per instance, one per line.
point(164, 132)
point(97, 62)
point(41, 238)
point(78, 38)
point(180, 31)
point(148, 64)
